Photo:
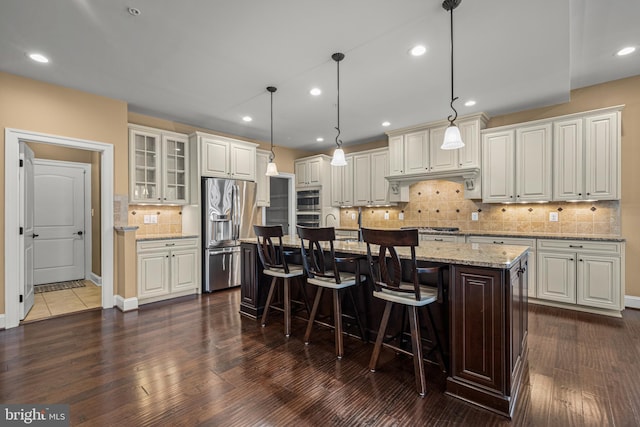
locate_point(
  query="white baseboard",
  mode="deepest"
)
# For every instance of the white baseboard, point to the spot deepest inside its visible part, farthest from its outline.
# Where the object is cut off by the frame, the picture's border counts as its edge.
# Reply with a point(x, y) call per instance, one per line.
point(2, 324)
point(95, 279)
point(631, 301)
point(126, 304)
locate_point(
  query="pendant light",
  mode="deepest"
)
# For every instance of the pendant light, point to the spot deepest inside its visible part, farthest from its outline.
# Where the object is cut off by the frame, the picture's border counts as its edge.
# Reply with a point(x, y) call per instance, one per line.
point(338, 155)
point(272, 170)
point(452, 138)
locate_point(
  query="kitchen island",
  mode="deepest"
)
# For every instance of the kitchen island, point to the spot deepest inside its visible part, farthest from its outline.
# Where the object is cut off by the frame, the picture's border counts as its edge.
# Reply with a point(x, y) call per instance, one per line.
point(484, 316)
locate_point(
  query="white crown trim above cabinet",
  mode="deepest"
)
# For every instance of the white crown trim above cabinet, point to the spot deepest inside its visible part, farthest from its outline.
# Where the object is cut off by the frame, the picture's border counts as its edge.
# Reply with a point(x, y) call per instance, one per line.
point(159, 166)
point(223, 157)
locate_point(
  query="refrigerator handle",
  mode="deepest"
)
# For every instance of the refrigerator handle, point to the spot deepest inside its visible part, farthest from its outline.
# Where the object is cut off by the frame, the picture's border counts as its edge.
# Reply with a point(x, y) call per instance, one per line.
point(236, 212)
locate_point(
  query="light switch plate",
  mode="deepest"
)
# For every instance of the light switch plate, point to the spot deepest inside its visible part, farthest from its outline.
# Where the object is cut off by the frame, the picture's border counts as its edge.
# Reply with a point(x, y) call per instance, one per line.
point(474, 216)
point(553, 216)
point(353, 216)
point(386, 215)
point(401, 216)
point(154, 219)
point(147, 219)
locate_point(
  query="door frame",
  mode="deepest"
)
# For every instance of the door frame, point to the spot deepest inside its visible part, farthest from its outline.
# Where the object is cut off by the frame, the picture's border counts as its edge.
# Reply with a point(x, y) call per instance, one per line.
point(86, 209)
point(12, 137)
point(291, 188)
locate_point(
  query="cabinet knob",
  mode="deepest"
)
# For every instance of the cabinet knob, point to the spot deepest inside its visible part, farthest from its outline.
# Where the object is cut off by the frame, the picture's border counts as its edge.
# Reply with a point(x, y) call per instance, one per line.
point(166, 256)
point(580, 260)
point(570, 259)
point(588, 194)
point(576, 246)
point(518, 196)
point(579, 194)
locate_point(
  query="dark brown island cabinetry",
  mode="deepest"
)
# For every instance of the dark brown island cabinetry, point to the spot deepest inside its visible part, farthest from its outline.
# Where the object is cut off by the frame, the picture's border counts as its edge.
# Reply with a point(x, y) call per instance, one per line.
point(486, 324)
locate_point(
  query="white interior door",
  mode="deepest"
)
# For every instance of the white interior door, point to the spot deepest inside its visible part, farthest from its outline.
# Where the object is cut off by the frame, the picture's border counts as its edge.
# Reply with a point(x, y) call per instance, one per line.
point(59, 222)
point(27, 217)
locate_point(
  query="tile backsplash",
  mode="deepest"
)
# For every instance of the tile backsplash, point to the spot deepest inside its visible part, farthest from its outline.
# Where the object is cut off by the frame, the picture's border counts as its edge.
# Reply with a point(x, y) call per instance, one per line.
point(169, 219)
point(442, 204)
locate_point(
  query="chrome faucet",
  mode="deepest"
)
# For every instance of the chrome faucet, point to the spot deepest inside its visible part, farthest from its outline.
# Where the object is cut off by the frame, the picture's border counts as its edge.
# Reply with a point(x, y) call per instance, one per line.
point(360, 239)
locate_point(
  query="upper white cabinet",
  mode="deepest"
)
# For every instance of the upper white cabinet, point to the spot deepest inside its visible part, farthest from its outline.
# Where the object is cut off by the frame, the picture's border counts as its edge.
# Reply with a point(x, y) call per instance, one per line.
point(223, 157)
point(312, 171)
point(263, 182)
point(573, 157)
point(517, 164)
point(342, 184)
point(370, 188)
point(416, 151)
point(158, 166)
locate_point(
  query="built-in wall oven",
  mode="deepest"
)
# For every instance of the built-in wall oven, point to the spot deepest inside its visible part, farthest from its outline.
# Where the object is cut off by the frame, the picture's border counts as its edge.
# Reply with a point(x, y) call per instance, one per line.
point(308, 208)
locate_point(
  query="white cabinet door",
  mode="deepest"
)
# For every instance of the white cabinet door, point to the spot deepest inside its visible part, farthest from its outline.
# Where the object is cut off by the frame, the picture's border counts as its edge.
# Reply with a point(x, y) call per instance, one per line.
point(314, 172)
point(469, 155)
point(557, 277)
point(175, 162)
point(416, 152)
point(362, 179)
point(300, 170)
point(568, 178)
point(379, 185)
point(243, 162)
point(598, 281)
point(153, 274)
point(183, 270)
point(215, 158)
point(533, 163)
point(396, 155)
point(498, 167)
point(263, 182)
point(602, 157)
point(439, 159)
point(342, 184)
point(144, 166)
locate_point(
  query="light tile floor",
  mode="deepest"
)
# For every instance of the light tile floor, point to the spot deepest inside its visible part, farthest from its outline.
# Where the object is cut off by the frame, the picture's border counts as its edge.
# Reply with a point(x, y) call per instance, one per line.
point(56, 303)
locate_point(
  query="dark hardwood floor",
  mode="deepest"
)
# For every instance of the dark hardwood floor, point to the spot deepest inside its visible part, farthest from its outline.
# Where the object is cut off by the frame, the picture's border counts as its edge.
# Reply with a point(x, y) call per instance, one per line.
point(196, 361)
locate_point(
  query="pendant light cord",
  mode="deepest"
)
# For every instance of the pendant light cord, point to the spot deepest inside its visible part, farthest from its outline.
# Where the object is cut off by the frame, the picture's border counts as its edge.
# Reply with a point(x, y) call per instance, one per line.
point(452, 117)
point(338, 57)
point(272, 153)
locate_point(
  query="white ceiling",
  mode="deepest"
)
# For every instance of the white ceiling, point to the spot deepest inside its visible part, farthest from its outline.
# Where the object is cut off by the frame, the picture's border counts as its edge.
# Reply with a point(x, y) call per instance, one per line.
point(207, 62)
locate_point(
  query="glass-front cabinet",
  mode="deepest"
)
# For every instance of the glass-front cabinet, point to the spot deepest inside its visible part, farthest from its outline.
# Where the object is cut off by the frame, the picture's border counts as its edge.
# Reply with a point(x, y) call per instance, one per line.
point(159, 166)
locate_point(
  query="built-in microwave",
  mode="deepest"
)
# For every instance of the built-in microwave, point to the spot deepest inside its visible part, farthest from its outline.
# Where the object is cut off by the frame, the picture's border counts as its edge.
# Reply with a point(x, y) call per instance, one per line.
point(308, 208)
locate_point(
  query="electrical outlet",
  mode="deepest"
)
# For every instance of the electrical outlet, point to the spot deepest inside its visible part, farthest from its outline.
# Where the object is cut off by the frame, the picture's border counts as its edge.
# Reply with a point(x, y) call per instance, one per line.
point(474, 216)
point(154, 219)
point(353, 216)
point(553, 216)
point(147, 219)
point(401, 216)
point(386, 215)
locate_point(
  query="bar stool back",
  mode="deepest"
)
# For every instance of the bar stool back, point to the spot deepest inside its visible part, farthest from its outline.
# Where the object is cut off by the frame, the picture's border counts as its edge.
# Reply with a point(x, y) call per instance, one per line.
point(275, 265)
point(386, 272)
point(321, 266)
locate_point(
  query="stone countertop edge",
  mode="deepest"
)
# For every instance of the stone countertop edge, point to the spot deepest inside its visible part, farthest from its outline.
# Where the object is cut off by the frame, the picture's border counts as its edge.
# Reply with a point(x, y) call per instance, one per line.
point(166, 237)
point(517, 234)
point(473, 254)
point(124, 228)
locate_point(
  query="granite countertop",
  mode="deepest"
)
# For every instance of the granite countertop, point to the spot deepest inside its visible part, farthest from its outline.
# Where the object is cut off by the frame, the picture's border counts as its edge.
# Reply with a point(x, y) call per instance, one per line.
point(530, 235)
point(475, 254)
point(165, 237)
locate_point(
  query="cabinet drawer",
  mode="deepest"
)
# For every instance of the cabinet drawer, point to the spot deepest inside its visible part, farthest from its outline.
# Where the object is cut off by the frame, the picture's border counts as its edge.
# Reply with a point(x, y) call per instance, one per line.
point(166, 244)
point(438, 238)
point(499, 240)
point(613, 248)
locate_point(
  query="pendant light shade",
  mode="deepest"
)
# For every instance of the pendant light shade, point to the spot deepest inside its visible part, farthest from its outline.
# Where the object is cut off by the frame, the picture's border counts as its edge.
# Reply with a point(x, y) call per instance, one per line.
point(452, 138)
point(338, 155)
point(272, 169)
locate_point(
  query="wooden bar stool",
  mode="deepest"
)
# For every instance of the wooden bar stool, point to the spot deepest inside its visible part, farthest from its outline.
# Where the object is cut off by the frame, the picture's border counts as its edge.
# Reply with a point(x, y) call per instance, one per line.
point(321, 267)
point(275, 265)
point(386, 273)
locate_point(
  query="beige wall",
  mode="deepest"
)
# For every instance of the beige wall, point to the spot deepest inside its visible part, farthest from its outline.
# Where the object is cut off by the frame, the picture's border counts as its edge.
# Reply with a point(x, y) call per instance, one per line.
point(32, 105)
point(51, 152)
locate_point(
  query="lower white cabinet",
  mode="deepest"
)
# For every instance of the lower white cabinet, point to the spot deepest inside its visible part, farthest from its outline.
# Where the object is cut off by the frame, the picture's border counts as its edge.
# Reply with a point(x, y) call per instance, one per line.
point(167, 269)
point(516, 241)
point(587, 273)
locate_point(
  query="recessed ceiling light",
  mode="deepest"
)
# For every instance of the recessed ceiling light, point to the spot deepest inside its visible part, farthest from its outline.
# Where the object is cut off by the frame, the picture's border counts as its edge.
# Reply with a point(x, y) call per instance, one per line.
point(315, 91)
point(320, 139)
point(470, 103)
point(247, 118)
point(385, 124)
point(418, 50)
point(38, 57)
point(626, 50)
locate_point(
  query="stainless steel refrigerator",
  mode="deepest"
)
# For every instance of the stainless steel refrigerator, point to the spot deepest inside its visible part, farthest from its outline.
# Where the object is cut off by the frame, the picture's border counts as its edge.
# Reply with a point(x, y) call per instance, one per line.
point(228, 214)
